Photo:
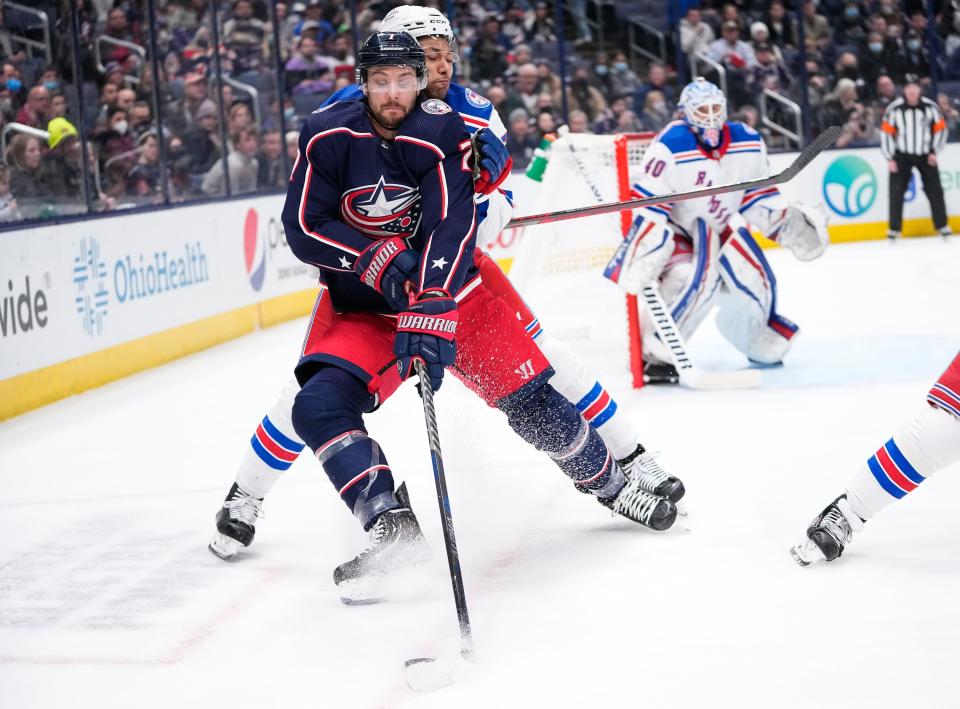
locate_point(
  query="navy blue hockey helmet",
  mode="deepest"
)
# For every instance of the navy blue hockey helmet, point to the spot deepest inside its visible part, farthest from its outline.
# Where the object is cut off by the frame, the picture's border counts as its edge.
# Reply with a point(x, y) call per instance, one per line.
point(392, 49)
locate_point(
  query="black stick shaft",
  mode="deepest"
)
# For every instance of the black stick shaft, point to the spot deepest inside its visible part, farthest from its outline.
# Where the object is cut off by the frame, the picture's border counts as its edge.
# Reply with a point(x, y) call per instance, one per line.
point(822, 142)
point(446, 516)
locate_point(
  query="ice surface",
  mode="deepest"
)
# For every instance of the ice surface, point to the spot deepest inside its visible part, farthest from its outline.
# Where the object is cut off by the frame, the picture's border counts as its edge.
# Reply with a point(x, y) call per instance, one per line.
point(109, 598)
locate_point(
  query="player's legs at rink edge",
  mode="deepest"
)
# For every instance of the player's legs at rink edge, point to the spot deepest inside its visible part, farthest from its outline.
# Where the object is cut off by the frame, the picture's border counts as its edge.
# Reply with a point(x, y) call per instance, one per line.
point(498, 361)
point(584, 391)
point(928, 442)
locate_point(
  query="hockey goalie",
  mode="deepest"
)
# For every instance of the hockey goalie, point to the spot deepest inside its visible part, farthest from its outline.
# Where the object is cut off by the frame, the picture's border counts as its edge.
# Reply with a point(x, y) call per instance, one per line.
point(701, 252)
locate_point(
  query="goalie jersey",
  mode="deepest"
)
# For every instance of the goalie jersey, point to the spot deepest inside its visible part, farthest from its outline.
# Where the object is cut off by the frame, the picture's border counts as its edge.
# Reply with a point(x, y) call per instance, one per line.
point(676, 162)
point(350, 187)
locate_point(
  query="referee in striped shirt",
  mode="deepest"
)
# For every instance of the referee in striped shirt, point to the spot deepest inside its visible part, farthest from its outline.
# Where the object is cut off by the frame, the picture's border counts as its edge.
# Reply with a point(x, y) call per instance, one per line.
point(913, 131)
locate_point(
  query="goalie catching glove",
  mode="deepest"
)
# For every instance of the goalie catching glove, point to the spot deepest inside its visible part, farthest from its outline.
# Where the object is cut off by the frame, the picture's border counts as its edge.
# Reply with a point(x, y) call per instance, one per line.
point(800, 228)
point(386, 266)
point(491, 161)
point(642, 256)
point(427, 331)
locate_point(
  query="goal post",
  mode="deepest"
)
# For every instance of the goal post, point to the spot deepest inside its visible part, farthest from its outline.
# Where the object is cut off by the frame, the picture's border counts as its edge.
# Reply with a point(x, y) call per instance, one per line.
point(558, 267)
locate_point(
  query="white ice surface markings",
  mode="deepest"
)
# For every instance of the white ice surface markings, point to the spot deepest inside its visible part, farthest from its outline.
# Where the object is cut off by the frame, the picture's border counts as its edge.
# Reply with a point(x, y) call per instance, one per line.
point(108, 597)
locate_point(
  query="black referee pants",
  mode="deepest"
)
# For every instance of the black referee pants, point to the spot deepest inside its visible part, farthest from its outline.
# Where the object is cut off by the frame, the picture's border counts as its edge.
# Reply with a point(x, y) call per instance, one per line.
point(931, 186)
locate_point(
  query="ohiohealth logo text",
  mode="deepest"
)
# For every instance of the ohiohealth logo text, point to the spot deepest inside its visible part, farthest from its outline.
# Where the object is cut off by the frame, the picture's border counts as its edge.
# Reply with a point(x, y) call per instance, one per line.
point(849, 186)
point(90, 278)
point(135, 277)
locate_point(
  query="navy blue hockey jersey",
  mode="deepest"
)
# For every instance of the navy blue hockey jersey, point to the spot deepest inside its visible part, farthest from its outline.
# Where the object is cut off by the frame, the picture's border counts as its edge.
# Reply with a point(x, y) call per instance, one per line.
point(350, 187)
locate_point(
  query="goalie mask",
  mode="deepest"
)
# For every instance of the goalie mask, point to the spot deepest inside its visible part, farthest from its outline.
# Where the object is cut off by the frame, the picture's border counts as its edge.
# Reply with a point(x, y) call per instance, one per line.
point(705, 110)
point(391, 49)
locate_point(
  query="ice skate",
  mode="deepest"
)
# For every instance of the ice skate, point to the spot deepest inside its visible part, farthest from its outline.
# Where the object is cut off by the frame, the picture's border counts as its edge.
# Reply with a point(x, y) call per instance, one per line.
point(396, 543)
point(236, 521)
point(828, 534)
point(643, 467)
point(638, 505)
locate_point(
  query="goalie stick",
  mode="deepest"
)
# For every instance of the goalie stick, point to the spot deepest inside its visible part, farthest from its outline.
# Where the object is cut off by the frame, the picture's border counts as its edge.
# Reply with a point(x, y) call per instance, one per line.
point(690, 375)
point(427, 673)
point(821, 143)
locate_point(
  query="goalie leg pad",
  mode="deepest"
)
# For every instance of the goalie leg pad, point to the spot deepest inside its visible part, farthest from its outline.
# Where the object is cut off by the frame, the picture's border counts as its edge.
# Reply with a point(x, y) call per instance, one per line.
point(748, 317)
point(688, 287)
point(328, 415)
point(542, 417)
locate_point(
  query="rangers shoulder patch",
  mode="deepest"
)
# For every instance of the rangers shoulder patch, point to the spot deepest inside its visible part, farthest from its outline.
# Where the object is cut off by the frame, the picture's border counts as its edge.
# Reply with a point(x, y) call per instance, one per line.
point(435, 106)
point(475, 99)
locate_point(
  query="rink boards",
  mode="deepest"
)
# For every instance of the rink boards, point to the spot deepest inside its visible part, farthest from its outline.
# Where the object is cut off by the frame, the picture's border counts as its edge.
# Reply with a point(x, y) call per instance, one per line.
point(84, 303)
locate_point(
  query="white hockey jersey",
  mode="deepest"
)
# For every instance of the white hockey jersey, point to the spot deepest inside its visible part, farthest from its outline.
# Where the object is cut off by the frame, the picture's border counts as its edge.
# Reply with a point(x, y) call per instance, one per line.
point(676, 162)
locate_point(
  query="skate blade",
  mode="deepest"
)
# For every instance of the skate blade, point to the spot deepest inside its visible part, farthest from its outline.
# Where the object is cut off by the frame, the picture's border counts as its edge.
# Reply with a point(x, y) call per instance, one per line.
point(806, 553)
point(224, 547)
point(406, 583)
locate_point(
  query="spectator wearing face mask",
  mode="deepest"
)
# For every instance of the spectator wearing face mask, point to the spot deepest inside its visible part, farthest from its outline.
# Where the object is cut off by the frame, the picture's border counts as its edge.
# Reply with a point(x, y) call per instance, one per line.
point(114, 142)
point(600, 74)
point(623, 81)
point(914, 62)
point(848, 67)
point(851, 27)
point(879, 57)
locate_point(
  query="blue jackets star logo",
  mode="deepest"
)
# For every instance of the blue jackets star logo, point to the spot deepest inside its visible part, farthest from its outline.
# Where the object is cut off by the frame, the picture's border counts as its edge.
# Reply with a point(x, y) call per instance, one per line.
point(383, 209)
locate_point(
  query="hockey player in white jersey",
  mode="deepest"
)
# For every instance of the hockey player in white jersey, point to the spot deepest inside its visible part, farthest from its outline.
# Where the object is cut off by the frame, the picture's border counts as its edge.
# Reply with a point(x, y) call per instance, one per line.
point(701, 252)
point(274, 445)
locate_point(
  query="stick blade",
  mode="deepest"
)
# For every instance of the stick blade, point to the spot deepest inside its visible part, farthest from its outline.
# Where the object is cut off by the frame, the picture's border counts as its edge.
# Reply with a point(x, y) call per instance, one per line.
point(428, 674)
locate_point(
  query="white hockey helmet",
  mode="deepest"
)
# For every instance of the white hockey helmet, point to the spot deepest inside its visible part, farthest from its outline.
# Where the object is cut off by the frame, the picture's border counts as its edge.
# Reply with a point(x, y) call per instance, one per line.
point(419, 22)
point(705, 110)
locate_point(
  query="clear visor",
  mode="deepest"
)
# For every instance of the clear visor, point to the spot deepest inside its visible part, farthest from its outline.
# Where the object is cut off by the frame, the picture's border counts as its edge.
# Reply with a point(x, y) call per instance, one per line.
point(436, 54)
point(378, 82)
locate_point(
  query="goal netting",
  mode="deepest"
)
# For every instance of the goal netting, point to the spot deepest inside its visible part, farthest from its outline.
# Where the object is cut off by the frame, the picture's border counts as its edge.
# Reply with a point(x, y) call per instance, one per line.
point(558, 267)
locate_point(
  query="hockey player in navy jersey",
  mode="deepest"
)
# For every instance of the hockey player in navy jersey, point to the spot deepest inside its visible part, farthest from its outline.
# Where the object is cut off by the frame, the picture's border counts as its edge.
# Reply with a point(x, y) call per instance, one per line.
point(928, 442)
point(701, 252)
point(381, 199)
point(274, 445)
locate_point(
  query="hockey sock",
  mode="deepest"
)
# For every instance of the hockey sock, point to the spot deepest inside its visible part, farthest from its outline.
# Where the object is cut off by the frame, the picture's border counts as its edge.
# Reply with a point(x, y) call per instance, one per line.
point(590, 398)
point(273, 447)
point(547, 421)
point(328, 415)
point(929, 442)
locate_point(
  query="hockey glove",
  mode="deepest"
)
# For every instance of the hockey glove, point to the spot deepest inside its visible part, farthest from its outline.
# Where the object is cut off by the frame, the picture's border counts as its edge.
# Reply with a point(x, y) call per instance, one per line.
point(804, 231)
point(491, 161)
point(385, 266)
point(427, 331)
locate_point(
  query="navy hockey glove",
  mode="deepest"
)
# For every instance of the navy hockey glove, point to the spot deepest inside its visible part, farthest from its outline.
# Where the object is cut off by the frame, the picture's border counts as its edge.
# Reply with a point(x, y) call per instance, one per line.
point(427, 331)
point(387, 265)
point(492, 161)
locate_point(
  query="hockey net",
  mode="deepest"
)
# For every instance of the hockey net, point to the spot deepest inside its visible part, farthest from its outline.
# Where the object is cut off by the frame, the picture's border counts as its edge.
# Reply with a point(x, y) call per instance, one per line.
point(559, 267)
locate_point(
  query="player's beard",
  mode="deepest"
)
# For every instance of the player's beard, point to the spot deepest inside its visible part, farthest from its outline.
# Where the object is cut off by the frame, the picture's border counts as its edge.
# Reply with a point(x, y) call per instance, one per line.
point(390, 123)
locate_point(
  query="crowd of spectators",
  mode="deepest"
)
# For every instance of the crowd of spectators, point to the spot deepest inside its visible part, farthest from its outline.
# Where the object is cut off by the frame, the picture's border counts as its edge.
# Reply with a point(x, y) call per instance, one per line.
point(164, 127)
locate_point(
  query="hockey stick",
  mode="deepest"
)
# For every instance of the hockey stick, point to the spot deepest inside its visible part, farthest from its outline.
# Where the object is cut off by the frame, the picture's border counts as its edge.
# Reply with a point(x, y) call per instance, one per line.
point(424, 673)
point(821, 143)
point(690, 375)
